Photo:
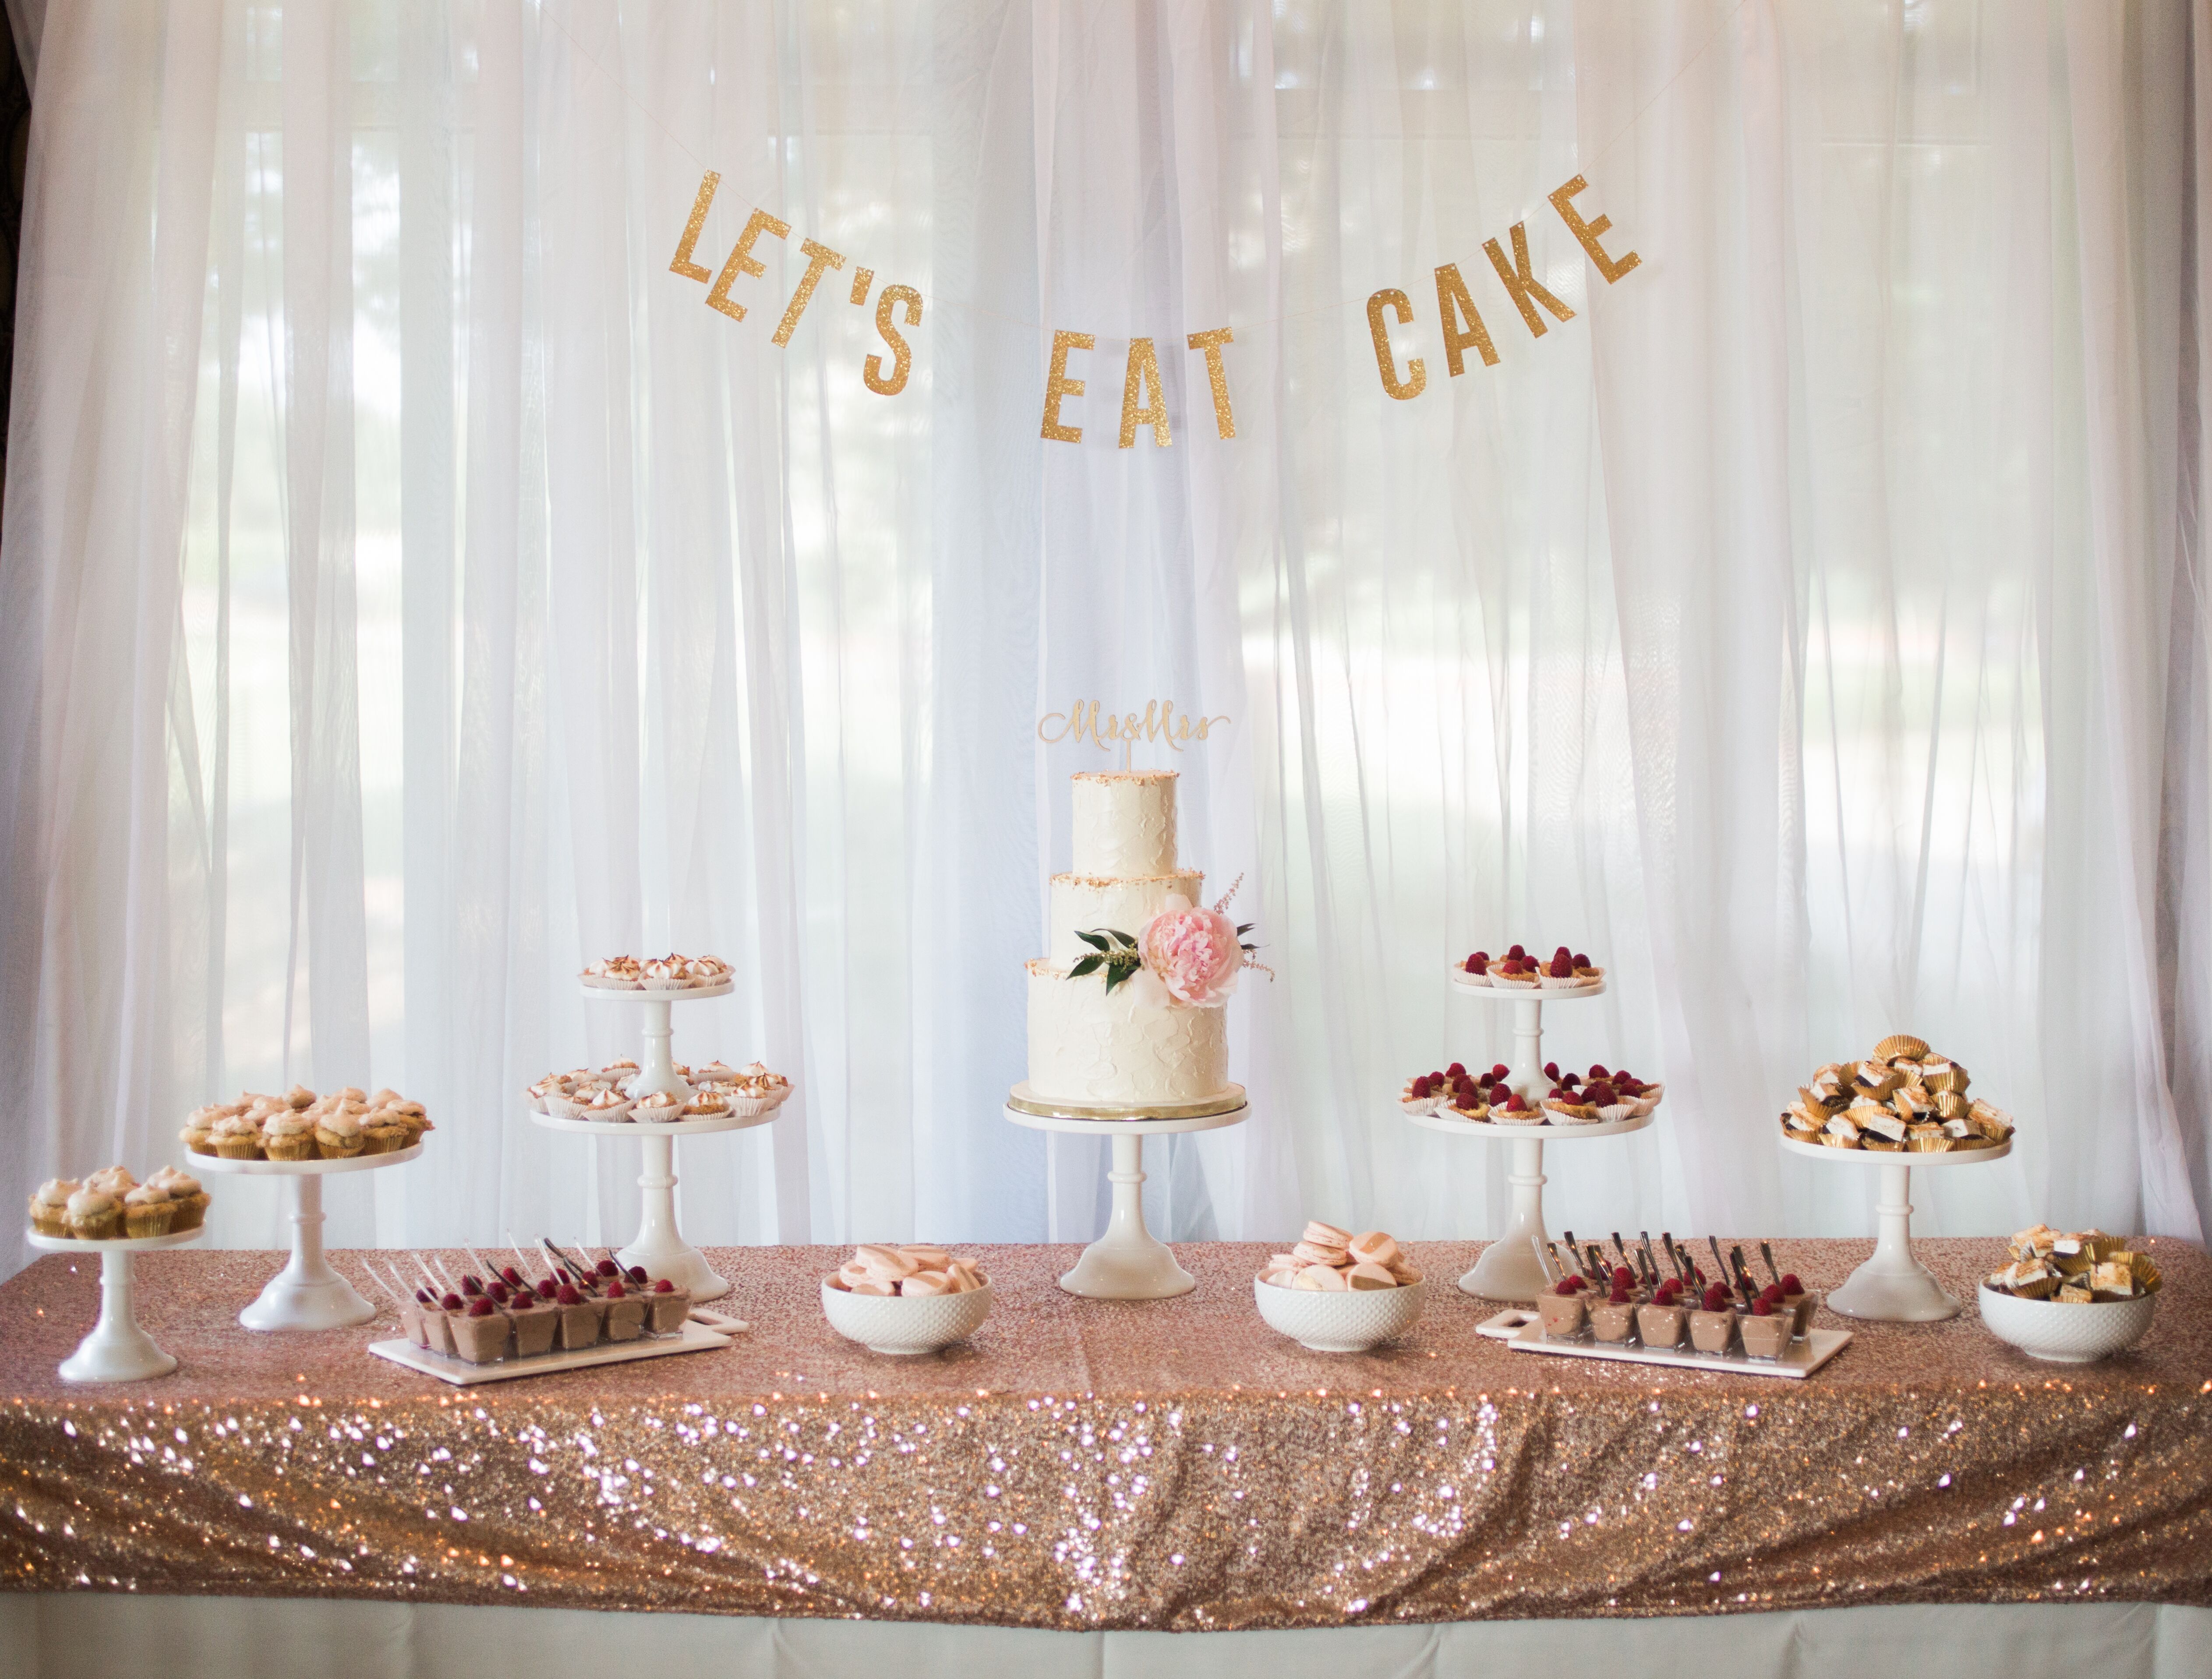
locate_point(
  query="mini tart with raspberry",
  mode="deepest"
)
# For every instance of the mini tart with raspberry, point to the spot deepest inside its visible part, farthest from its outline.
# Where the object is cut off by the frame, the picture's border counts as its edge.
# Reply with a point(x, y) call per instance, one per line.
point(1477, 968)
point(1566, 1107)
point(1514, 1111)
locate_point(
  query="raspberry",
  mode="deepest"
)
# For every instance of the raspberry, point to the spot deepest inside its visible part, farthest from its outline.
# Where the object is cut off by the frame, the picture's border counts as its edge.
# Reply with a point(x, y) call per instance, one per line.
point(568, 1295)
point(1455, 1071)
point(608, 1269)
point(471, 1286)
point(1517, 953)
point(663, 1286)
point(1498, 1070)
point(1762, 1307)
point(1620, 1295)
point(1552, 1071)
point(1597, 1070)
point(481, 1309)
point(548, 1289)
point(1717, 1299)
point(1790, 1285)
point(1562, 965)
point(1582, 961)
point(451, 1303)
point(1567, 1286)
point(1422, 1086)
point(615, 1290)
point(1623, 1277)
point(514, 1277)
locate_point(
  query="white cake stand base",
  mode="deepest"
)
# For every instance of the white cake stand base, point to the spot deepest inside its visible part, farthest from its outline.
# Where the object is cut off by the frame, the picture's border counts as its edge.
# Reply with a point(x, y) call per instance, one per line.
point(1127, 1262)
point(306, 1294)
point(1507, 1269)
point(1893, 1287)
point(116, 1350)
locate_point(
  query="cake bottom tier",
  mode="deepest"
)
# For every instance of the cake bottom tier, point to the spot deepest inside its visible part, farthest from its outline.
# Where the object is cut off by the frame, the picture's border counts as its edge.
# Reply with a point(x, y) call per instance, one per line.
point(1114, 1051)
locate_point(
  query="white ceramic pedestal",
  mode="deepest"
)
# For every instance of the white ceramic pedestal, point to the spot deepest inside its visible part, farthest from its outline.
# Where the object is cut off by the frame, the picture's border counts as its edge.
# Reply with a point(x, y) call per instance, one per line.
point(1526, 1073)
point(306, 1294)
point(116, 1350)
point(1892, 1286)
point(1507, 1269)
point(660, 1247)
point(1127, 1262)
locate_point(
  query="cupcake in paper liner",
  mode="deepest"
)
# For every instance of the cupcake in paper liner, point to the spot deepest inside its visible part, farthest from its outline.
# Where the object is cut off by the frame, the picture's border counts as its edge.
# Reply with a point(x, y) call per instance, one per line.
point(667, 973)
point(237, 1137)
point(290, 1136)
point(660, 1108)
point(148, 1211)
point(339, 1136)
point(606, 1103)
point(94, 1215)
point(49, 1206)
point(615, 973)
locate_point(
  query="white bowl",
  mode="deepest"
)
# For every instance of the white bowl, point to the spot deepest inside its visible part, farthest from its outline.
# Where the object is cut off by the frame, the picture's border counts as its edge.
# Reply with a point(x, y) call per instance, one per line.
point(2065, 1331)
point(1350, 1322)
point(893, 1323)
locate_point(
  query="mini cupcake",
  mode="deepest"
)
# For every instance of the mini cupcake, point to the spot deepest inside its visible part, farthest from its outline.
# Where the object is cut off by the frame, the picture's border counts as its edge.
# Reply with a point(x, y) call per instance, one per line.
point(49, 1206)
point(185, 1192)
point(339, 1136)
point(385, 1131)
point(199, 1125)
point(298, 1097)
point(605, 1103)
point(92, 1215)
point(667, 973)
point(148, 1211)
point(115, 1181)
point(615, 973)
point(238, 1137)
point(661, 1107)
point(290, 1136)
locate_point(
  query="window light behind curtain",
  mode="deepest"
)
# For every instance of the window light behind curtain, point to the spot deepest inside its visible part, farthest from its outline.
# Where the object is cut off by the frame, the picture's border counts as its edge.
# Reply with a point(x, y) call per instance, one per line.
point(414, 591)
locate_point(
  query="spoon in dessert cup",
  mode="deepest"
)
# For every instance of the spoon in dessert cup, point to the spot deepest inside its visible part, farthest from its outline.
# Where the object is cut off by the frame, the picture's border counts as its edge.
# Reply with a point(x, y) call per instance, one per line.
point(1650, 1261)
point(1767, 1252)
point(1558, 1264)
point(1674, 1255)
point(1714, 1242)
point(1621, 1249)
point(1598, 1268)
point(1543, 1265)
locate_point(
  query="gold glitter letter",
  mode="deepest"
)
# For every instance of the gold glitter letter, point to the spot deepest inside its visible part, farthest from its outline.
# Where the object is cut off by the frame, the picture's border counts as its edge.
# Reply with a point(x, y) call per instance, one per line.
point(1057, 385)
point(1452, 301)
point(1417, 376)
point(1586, 233)
point(862, 279)
point(683, 265)
point(1522, 284)
point(902, 357)
point(818, 256)
point(742, 261)
point(1145, 365)
point(1218, 376)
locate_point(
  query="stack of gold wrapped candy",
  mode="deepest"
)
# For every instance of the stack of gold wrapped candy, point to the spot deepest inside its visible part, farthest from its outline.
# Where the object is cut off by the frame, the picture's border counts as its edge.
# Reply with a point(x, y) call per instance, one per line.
point(1904, 1097)
point(2077, 1267)
point(300, 1125)
point(1329, 1260)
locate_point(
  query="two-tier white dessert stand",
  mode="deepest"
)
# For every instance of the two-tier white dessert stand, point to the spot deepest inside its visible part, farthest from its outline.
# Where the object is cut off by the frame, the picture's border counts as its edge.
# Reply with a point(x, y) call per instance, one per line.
point(1507, 1269)
point(1127, 1262)
point(1893, 1287)
point(116, 1350)
point(660, 1247)
point(306, 1294)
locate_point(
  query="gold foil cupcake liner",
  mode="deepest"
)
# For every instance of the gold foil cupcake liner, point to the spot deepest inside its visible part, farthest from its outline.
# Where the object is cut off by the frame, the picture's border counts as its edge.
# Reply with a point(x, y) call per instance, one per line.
point(1900, 1044)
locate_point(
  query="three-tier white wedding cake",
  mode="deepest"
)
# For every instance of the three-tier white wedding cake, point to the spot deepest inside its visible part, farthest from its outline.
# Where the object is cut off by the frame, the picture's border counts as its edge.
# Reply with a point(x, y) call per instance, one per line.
point(1126, 1045)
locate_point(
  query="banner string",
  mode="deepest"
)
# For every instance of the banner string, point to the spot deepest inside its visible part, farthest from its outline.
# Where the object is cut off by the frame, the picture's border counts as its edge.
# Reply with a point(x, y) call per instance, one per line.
point(552, 17)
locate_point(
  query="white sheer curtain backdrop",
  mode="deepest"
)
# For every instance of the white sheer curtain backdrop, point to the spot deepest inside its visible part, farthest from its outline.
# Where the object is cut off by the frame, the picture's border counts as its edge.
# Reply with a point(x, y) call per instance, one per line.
point(410, 590)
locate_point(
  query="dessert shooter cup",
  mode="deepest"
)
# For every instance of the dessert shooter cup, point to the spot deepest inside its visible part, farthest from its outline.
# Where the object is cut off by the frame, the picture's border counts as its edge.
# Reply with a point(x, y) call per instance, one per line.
point(580, 1324)
point(1713, 1332)
point(1563, 1315)
point(1801, 1307)
point(1609, 1322)
point(1766, 1337)
point(479, 1339)
point(535, 1328)
point(625, 1319)
point(1660, 1326)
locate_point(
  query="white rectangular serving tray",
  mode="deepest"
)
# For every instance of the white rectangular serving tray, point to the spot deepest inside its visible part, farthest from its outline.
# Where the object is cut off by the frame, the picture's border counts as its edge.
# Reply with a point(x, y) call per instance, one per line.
point(1523, 1332)
point(463, 1374)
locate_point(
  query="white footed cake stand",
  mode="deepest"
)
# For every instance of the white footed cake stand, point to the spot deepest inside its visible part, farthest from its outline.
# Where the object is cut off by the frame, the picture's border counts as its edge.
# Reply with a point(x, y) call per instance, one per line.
point(659, 1246)
point(306, 1294)
point(1127, 1262)
point(1893, 1287)
point(1507, 1269)
point(116, 1350)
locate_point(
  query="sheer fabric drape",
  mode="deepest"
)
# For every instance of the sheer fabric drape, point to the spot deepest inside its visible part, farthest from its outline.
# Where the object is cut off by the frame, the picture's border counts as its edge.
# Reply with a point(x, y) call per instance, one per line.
point(412, 590)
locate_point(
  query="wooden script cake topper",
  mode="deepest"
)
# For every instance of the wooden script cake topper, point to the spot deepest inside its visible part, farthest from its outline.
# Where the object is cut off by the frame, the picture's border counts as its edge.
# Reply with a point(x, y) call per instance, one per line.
point(1088, 721)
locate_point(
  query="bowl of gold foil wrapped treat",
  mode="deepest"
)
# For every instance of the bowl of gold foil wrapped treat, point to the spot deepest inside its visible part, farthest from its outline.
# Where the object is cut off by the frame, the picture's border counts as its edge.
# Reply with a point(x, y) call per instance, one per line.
point(1905, 1098)
point(2072, 1297)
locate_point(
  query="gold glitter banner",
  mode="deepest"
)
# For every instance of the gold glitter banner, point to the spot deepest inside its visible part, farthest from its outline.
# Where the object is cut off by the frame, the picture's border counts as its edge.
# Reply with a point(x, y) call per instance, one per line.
point(1089, 1464)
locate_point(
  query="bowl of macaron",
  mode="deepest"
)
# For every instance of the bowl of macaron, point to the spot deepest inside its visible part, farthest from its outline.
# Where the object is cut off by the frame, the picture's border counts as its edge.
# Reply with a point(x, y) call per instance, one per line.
point(1334, 1292)
point(906, 1299)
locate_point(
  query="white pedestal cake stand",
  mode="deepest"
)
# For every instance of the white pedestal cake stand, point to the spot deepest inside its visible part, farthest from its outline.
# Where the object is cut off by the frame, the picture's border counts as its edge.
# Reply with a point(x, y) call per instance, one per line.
point(660, 1247)
point(1127, 1262)
point(306, 1294)
point(1507, 1269)
point(1892, 1286)
point(116, 1350)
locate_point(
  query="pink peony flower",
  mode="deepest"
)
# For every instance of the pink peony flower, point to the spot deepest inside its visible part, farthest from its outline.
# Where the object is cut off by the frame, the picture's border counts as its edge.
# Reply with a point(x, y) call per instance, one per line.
point(1194, 953)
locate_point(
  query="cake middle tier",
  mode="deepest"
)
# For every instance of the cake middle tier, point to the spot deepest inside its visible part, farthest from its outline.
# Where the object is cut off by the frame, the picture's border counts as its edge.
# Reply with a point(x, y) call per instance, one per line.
point(1090, 1049)
point(1085, 903)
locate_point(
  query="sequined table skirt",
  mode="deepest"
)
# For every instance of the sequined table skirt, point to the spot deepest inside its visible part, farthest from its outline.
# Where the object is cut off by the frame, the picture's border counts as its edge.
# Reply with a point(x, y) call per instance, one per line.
point(1085, 1464)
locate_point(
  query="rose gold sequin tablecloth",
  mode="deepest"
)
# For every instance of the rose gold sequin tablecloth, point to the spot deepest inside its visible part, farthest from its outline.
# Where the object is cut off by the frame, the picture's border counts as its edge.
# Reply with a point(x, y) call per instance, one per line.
point(1085, 1464)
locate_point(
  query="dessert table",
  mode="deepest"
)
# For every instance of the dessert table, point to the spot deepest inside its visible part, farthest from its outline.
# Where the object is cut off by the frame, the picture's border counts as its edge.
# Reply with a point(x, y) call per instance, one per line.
point(1086, 1465)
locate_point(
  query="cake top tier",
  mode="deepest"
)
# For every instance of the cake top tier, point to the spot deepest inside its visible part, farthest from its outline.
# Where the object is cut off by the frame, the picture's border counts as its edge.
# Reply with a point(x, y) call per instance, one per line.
point(1125, 823)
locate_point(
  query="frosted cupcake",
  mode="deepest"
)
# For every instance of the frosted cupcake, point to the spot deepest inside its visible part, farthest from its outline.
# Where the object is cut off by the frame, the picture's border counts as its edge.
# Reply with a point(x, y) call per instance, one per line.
point(115, 1181)
point(49, 1206)
point(199, 1124)
point(91, 1215)
point(289, 1136)
point(148, 1211)
point(338, 1136)
point(237, 1137)
point(191, 1200)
